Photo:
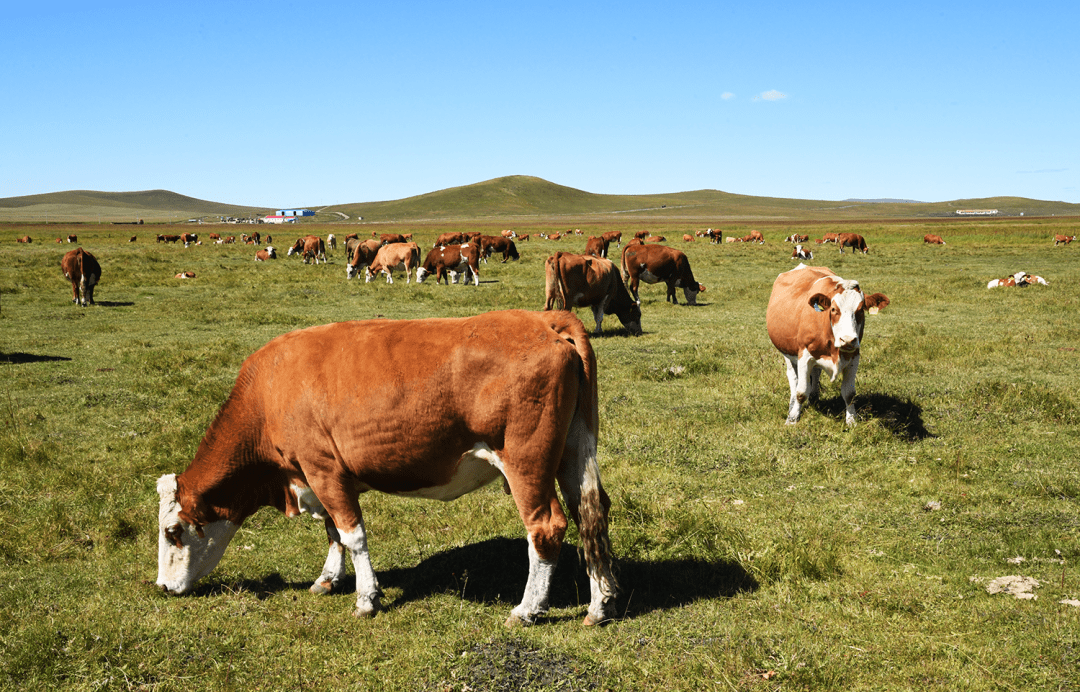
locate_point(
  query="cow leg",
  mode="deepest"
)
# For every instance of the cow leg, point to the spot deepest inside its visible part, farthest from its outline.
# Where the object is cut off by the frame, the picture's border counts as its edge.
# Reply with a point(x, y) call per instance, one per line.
point(545, 526)
point(671, 293)
point(598, 315)
point(367, 585)
point(88, 290)
point(334, 569)
point(794, 405)
point(75, 292)
point(847, 390)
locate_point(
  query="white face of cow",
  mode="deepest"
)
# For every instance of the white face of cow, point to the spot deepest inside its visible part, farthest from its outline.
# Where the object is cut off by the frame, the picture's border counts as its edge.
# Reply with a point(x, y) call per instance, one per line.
point(421, 274)
point(185, 556)
point(846, 313)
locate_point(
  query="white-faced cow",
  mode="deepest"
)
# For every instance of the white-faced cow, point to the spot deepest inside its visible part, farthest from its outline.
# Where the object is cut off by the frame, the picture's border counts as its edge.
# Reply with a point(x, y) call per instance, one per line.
point(659, 263)
point(815, 319)
point(405, 256)
point(267, 253)
point(189, 238)
point(799, 252)
point(361, 255)
point(302, 433)
point(331, 241)
point(586, 281)
point(83, 271)
point(853, 241)
point(447, 262)
point(1064, 239)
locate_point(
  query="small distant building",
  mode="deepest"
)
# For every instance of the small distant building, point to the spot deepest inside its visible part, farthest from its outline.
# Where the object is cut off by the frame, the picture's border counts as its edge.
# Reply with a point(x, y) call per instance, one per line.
point(278, 218)
point(976, 212)
point(295, 212)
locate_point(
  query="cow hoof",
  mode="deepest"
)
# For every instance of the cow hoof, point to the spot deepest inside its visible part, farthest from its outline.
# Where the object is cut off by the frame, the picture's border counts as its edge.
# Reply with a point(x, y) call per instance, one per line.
point(322, 588)
point(367, 610)
point(514, 622)
point(589, 622)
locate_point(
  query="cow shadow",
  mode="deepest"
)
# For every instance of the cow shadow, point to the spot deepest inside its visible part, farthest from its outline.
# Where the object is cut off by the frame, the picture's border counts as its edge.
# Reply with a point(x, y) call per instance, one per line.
point(494, 572)
point(114, 303)
point(20, 358)
point(902, 417)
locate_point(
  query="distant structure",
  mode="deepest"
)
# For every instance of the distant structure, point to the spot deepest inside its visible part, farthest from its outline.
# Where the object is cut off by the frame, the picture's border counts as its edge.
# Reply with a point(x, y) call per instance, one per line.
point(277, 218)
point(295, 212)
point(976, 212)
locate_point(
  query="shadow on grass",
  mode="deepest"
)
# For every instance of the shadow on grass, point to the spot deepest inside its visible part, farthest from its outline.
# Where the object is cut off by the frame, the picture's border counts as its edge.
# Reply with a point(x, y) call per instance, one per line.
point(902, 417)
point(495, 571)
point(114, 303)
point(19, 358)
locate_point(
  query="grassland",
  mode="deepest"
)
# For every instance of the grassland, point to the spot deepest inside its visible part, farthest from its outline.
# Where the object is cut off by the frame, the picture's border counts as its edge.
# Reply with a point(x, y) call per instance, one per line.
point(753, 555)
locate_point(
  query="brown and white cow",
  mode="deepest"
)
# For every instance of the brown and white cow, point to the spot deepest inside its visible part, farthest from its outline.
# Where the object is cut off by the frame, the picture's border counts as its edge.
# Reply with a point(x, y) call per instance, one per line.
point(715, 235)
point(508, 234)
point(132, 238)
point(660, 263)
point(184, 275)
point(361, 254)
point(309, 248)
point(83, 271)
point(815, 319)
point(189, 238)
point(612, 237)
point(932, 239)
point(829, 238)
point(586, 281)
point(447, 262)
point(303, 434)
point(73, 238)
point(267, 253)
point(799, 252)
point(24, 239)
point(331, 241)
point(797, 238)
point(1018, 279)
point(853, 241)
point(1064, 239)
point(756, 237)
point(404, 256)
point(496, 243)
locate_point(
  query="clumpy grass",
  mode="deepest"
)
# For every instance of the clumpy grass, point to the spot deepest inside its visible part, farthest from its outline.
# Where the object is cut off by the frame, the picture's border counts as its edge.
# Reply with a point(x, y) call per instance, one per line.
point(752, 555)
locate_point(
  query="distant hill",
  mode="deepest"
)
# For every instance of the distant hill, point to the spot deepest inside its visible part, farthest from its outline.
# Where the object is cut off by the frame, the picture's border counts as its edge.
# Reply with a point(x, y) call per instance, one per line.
point(90, 205)
point(513, 197)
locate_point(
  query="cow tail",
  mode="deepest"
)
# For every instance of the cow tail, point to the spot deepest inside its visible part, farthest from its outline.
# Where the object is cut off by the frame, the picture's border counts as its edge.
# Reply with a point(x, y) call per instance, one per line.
point(593, 506)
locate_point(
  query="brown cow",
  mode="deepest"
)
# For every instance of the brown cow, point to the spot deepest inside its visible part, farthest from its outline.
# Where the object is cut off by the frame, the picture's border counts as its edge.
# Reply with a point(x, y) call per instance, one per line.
point(853, 241)
point(1064, 239)
point(596, 246)
point(655, 239)
point(829, 238)
point(388, 238)
point(815, 319)
point(73, 238)
point(508, 234)
point(585, 281)
point(497, 243)
point(309, 248)
point(642, 235)
point(447, 262)
point(267, 253)
point(394, 256)
point(524, 238)
point(612, 237)
point(321, 415)
point(933, 239)
point(687, 238)
point(24, 239)
point(797, 238)
point(132, 239)
point(361, 254)
point(755, 237)
point(83, 271)
point(655, 263)
point(185, 275)
point(189, 238)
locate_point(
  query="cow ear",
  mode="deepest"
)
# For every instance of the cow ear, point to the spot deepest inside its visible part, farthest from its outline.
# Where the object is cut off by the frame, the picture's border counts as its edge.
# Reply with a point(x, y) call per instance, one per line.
point(820, 302)
point(875, 302)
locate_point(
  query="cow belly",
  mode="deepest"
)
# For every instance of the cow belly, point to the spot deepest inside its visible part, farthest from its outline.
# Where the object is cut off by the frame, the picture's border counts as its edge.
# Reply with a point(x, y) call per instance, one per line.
point(476, 468)
point(648, 277)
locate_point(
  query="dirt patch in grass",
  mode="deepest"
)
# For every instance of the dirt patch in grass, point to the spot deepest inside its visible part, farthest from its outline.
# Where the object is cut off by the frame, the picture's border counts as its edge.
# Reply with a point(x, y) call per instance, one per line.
point(512, 664)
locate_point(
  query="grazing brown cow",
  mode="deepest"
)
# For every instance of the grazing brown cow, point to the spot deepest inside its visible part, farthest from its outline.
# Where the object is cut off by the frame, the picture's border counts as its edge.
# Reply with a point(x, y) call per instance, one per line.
point(1064, 239)
point(612, 237)
point(215, 236)
point(508, 234)
point(267, 253)
point(585, 281)
point(655, 263)
point(361, 254)
point(554, 236)
point(596, 246)
point(309, 248)
point(815, 319)
point(24, 239)
point(388, 238)
point(687, 238)
point(853, 241)
point(497, 243)
point(394, 256)
point(755, 237)
point(524, 238)
point(829, 238)
point(456, 238)
point(83, 271)
point(447, 262)
point(321, 415)
point(799, 252)
point(932, 239)
point(642, 235)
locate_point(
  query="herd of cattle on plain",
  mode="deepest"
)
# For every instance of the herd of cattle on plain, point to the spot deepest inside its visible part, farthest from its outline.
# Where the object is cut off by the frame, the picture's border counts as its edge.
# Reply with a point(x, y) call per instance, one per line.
point(321, 441)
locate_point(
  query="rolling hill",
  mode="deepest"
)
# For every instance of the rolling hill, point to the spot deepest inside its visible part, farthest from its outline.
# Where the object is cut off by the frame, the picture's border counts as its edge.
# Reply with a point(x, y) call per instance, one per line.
point(514, 197)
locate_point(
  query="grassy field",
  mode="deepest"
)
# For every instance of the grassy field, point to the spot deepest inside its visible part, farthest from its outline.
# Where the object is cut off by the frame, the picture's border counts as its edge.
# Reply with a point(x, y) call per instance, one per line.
point(753, 555)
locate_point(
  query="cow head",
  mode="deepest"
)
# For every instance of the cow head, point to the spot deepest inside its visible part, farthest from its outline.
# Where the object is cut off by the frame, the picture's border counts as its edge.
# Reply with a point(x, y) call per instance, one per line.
point(186, 552)
point(691, 292)
point(845, 308)
point(421, 274)
point(633, 319)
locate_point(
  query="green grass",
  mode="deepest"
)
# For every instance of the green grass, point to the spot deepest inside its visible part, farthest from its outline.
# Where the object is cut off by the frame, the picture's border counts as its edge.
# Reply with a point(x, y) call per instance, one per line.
point(753, 555)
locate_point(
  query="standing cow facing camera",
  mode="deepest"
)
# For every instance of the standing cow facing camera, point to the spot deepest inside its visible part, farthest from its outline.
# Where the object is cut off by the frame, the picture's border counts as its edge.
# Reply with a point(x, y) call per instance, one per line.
point(815, 319)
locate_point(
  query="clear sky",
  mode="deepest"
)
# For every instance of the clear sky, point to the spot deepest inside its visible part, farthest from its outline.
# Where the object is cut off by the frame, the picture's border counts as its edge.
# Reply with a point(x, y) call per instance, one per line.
point(283, 104)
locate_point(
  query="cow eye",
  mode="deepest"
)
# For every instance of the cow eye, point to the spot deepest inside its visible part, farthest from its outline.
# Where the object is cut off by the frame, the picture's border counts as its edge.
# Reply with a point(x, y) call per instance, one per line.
point(175, 533)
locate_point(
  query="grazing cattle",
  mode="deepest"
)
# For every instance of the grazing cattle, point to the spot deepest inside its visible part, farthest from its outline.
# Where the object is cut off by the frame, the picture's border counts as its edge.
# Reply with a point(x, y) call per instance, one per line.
point(796, 238)
point(24, 239)
point(853, 241)
point(361, 255)
point(215, 236)
point(185, 275)
point(189, 238)
point(331, 241)
point(585, 281)
point(612, 237)
point(801, 253)
point(73, 238)
point(321, 415)
point(309, 248)
point(642, 235)
point(267, 253)
point(388, 238)
point(447, 262)
point(829, 238)
point(59, 240)
point(660, 263)
point(496, 243)
point(83, 271)
point(1064, 239)
point(687, 238)
point(168, 238)
point(132, 239)
point(508, 234)
point(554, 236)
point(655, 239)
point(815, 319)
point(932, 239)
point(755, 237)
point(596, 246)
point(394, 256)
point(523, 238)
point(457, 238)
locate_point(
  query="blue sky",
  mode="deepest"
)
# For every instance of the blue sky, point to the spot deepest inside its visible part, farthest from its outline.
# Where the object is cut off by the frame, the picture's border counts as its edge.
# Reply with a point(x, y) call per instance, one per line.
point(296, 103)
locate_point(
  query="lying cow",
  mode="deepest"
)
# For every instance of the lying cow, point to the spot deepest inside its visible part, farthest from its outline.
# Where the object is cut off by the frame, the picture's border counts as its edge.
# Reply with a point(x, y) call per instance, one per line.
point(797, 238)
point(655, 263)
point(267, 253)
point(932, 239)
point(184, 275)
point(303, 434)
point(394, 256)
point(83, 271)
point(25, 239)
point(1019, 279)
point(799, 252)
point(447, 262)
point(361, 254)
point(585, 281)
point(815, 319)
